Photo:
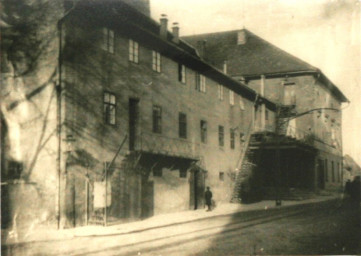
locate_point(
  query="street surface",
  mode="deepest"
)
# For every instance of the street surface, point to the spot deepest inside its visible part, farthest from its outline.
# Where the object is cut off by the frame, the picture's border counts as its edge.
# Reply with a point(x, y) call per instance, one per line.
point(331, 227)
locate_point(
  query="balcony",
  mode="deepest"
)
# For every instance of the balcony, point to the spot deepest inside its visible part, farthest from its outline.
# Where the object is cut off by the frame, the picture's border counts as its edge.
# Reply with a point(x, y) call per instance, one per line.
point(167, 146)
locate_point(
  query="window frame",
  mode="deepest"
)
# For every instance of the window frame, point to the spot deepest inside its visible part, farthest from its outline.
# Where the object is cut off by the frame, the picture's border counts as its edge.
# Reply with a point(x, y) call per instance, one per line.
point(157, 119)
point(182, 73)
point(203, 130)
point(133, 51)
point(109, 108)
point(201, 83)
point(231, 97)
point(182, 125)
point(220, 92)
point(108, 40)
point(156, 61)
point(220, 135)
point(232, 138)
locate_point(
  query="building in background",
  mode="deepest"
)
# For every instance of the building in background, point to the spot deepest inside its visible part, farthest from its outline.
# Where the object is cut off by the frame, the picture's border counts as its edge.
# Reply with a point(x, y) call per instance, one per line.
point(309, 109)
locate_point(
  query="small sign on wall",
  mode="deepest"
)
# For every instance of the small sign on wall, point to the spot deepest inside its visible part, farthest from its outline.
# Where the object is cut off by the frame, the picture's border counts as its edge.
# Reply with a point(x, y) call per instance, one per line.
point(100, 196)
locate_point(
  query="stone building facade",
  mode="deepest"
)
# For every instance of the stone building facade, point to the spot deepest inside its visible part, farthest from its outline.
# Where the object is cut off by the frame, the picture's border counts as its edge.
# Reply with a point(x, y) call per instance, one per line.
point(136, 122)
point(311, 102)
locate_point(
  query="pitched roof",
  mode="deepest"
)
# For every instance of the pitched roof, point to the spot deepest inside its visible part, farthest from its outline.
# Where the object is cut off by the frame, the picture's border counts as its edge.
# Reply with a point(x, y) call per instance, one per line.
point(253, 58)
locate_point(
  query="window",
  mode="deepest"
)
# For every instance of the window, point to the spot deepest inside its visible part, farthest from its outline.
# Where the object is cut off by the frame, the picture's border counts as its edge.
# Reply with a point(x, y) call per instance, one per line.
point(203, 131)
point(266, 115)
point(181, 73)
point(231, 97)
point(241, 104)
point(289, 94)
point(220, 92)
point(14, 170)
point(333, 171)
point(241, 138)
point(183, 173)
point(133, 51)
point(221, 135)
point(326, 170)
point(108, 40)
point(109, 108)
point(182, 125)
point(156, 61)
point(232, 138)
point(157, 119)
point(200, 83)
point(221, 176)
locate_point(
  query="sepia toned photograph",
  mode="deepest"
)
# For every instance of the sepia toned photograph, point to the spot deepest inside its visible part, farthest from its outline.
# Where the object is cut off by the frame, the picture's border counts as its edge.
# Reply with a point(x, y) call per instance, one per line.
point(180, 127)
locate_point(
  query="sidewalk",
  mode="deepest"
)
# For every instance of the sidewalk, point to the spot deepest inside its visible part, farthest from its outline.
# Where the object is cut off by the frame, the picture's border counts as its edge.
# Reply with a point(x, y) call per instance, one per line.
point(164, 220)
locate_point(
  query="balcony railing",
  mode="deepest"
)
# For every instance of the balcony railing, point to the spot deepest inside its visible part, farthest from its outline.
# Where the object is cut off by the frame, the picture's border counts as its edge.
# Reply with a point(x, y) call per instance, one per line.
point(160, 144)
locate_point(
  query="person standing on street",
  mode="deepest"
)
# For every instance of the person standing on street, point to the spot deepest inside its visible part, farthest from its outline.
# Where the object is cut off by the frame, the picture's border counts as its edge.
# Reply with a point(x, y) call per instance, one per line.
point(208, 197)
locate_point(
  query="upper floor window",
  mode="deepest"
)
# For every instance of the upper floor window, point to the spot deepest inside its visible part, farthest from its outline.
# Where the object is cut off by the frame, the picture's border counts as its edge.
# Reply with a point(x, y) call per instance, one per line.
point(109, 103)
point(232, 138)
point(203, 131)
point(200, 83)
point(157, 119)
point(108, 40)
point(156, 64)
point(182, 73)
point(221, 135)
point(241, 103)
point(266, 115)
point(231, 97)
point(220, 92)
point(133, 51)
point(182, 125)
point(289, 94)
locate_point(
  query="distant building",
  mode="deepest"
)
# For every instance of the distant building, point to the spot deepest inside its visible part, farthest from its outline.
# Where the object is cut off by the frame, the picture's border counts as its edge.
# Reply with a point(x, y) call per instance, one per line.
point(311, 144)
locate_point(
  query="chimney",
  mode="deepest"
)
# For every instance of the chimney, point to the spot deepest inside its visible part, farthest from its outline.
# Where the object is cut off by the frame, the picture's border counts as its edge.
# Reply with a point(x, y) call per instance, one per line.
point(175, 30)
point(201, 48)
point(241, 37)
point(163, 26)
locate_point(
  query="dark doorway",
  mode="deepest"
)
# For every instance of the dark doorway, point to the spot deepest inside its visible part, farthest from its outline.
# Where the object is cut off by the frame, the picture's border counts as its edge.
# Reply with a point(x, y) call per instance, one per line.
point(147, 198)
point(197, 189)
point(320, 174)
point(133, 122)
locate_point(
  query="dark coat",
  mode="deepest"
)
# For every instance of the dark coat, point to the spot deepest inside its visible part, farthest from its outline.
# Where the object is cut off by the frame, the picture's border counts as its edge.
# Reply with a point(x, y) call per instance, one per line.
point(208, 196)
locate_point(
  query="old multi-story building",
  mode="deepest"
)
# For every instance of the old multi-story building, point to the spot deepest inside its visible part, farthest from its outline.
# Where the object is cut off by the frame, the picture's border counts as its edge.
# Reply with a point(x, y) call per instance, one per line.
point(128, 122)
point(309, 109)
